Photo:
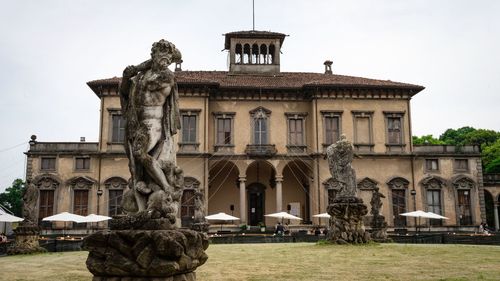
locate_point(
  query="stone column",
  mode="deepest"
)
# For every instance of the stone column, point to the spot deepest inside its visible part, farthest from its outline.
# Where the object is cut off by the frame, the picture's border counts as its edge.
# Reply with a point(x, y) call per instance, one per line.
point(243, 200)
point(279, 193)
point(495, 213)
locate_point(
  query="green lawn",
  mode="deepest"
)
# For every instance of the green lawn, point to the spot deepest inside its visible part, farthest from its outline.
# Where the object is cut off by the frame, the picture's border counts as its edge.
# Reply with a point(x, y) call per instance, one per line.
point(297, 261)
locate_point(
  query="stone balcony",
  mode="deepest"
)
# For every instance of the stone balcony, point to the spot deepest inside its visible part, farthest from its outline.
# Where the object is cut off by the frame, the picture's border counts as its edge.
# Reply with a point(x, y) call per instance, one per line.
point(57, 147)
point(261, 150)
point(446, 149)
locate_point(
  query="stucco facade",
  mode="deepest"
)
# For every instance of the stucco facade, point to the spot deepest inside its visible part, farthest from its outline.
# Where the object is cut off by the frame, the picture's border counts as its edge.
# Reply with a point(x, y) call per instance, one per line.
point(253, 140)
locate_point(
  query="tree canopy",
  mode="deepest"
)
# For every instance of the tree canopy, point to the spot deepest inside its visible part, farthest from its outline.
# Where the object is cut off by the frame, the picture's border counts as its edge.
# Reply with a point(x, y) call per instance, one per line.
point(487, 140)
point(12, 198)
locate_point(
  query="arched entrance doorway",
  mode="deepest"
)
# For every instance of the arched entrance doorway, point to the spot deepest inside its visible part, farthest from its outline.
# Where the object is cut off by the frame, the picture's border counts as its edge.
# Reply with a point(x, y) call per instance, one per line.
point(256, 194)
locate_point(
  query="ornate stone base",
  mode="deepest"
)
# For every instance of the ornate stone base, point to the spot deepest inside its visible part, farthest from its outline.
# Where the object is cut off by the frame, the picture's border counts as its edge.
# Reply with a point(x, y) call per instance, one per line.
point(346, 225)
point(145, 254)
point(200, 226)
point(26, 241)
point(379, 229)
point(181, 277)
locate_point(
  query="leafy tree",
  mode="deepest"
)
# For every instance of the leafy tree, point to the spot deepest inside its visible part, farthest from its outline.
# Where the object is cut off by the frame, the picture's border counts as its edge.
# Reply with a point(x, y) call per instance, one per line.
point(456, 137)
point(481, 137)
point(12, 198)
point(491, 157)
point(427, 140)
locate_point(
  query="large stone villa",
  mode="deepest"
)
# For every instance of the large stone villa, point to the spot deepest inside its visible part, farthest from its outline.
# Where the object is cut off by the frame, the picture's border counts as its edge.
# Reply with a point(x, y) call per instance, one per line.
point(253, 141)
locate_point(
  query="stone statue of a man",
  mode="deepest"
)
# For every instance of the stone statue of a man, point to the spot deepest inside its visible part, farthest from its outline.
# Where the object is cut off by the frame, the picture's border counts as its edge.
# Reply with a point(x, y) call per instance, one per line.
point(30, 199)
point(149, 100)
point(340, 156)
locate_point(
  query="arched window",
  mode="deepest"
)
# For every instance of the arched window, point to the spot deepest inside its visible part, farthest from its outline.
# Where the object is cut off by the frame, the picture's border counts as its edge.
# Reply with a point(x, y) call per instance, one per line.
point(263, 54)
point(270, 55)
point(81, 187)
point(398, 187)
point(464, 186)
point(255, 54)
point(238, 54)
point(246, 54)
point(115, 187)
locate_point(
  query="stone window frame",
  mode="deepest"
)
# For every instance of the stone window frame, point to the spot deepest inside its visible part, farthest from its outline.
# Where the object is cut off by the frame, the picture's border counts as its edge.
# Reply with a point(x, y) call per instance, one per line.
point(258, 113)
point(47, 182)
point(331, 114)
point(459, 170)
point(330, 184)
point(433, 183)
point(114, 183)
point(398, 147)
point(462, 182)
point(111, 113)
point(296, 148)
point(52, 157)
point(191, 184)
point(75, 161)
point(81, 183)
point(426, 166)
point(190, 146)
point(221, 147)
point(398, 183)
point(356, 114)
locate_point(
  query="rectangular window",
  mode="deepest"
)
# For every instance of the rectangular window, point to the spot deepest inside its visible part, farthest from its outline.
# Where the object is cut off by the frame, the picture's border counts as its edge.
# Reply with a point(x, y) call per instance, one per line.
point(431, 165)
point(48, 163)
point(82, 163)
point(260, 131)
point(80, 202)
point(464, 208)
point(461, 165)
point(296, 132)
point(118, 128)
point(187, 207)
point(115, 200)
point(434, 204)
point(332, 129)
point(394, 132)
point(224, 135)
point(363, 130)
point(188, 128)
point(399, 207)
point(46, 206)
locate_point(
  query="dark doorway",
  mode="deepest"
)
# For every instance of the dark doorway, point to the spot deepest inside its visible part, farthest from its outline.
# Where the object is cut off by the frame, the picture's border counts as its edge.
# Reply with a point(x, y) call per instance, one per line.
point(256, 203)
point(488, 201)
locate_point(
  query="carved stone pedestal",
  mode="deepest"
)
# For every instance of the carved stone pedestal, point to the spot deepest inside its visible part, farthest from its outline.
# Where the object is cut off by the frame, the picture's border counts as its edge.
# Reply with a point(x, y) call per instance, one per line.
point(26, 241)
point(346, 223)
point(171, 255)
point(379, 229)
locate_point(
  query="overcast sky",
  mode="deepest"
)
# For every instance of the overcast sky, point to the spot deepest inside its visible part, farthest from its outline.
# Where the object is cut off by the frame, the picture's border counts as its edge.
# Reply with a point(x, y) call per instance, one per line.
point(50, 49)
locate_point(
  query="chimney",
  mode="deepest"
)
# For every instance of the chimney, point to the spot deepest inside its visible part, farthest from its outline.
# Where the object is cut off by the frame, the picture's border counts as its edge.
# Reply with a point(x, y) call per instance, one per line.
point(82, 139)
point(328, 66)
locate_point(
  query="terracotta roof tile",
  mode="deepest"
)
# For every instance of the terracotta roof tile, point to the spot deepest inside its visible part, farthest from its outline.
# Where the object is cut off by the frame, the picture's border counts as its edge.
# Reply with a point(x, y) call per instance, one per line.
point(283, 80)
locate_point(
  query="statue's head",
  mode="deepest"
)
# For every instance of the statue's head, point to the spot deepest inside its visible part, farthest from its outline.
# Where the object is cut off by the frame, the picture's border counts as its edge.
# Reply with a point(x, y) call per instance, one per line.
point(163, 53)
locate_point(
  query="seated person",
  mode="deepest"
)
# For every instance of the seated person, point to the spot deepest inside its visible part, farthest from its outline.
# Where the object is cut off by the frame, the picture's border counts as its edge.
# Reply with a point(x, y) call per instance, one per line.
point(279, 230)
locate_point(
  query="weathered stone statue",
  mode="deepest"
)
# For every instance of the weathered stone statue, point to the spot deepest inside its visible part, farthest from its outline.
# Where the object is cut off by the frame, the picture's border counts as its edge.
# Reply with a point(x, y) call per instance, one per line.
point(146, 243)
point(346, 210)
point(378, 223)
point(200, 223)
point(27, 233)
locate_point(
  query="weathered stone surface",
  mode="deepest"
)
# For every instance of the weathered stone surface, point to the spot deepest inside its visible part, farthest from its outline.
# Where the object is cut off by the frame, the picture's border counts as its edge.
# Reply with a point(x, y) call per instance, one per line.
point(347, 210)
point(145, 253)
point(378, 223)
point(26, 241)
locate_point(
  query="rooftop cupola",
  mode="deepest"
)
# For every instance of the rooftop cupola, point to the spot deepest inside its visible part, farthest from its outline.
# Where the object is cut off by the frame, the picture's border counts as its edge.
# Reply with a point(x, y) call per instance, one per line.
point(254, 51)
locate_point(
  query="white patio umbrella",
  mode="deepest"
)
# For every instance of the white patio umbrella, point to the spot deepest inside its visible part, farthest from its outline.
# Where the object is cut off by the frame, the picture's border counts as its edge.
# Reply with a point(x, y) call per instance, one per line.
point(282, 216)
point(95, 218)
point(436, 216)
point(322, 215)
point(421, 214)
point(221, 217)
point(9, 218)
point(65, 217)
